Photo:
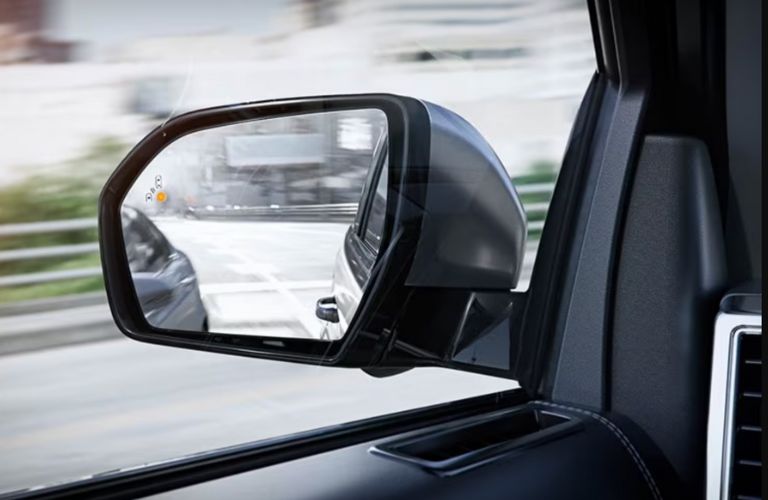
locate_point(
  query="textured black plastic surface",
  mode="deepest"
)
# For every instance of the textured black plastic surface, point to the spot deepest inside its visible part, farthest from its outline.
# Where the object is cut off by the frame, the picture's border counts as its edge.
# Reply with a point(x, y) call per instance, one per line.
point(670, 277)
point(746, 135)
point(582, 332)
point(462, 446)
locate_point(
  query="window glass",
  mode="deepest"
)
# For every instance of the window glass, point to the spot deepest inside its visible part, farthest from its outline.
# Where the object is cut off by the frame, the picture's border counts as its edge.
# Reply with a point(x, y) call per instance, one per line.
point(94, 76)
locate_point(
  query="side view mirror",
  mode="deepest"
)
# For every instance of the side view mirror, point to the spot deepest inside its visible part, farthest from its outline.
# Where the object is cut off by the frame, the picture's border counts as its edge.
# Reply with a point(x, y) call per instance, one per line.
point(390, 207)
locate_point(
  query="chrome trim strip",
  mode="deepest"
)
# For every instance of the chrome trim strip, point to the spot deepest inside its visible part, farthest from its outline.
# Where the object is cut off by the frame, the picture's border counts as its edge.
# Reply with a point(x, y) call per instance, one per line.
point(728, 329)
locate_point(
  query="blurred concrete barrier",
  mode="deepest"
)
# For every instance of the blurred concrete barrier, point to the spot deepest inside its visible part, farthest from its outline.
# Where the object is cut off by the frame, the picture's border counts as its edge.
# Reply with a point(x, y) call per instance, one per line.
point(52, 304)
point(40, 324)
point(47, 252)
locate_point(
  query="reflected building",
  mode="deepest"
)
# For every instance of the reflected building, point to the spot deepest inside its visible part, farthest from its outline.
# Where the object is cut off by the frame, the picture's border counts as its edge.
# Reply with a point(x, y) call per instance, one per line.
point(298, 160)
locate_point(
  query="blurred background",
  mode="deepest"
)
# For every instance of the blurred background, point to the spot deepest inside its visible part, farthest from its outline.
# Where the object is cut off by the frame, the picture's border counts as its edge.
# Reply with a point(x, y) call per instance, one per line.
point(81, 81)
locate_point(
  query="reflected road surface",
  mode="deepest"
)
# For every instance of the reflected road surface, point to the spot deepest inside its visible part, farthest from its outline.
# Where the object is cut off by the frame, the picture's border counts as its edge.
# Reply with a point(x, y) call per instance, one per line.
point(258, 276)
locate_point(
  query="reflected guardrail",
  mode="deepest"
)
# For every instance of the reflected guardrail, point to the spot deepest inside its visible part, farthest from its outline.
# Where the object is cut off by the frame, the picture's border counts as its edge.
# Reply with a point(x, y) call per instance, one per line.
point(325, 212)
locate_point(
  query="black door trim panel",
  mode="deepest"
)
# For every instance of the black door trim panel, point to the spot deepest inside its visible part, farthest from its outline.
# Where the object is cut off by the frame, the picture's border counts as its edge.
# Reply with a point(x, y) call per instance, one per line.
point(604, 459)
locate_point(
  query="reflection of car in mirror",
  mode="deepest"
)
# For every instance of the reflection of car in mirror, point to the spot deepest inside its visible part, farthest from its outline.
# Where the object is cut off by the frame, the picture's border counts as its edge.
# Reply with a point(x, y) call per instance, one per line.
point(163, 277)
point(355, 260)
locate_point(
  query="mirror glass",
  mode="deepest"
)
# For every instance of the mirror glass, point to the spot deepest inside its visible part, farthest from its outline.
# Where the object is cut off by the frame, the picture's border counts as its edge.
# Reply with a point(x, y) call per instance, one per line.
point(269, 227)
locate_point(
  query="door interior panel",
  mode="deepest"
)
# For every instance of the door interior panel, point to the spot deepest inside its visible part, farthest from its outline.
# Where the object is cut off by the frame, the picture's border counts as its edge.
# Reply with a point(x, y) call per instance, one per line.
point(671, 275)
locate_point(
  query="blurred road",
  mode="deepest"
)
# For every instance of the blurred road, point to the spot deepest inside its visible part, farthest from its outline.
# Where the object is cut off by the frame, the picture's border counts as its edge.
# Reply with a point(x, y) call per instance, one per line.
point(78, 410)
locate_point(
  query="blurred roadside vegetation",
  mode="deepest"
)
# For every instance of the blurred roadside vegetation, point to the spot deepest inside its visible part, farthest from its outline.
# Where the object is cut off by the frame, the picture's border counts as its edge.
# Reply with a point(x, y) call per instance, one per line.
point(71, 191)
point(540, 171)
point(66, 191)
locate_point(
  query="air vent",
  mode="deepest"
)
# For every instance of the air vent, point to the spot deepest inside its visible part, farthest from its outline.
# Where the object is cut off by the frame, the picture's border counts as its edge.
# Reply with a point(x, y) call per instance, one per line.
point(747, 431)
point(460, 447)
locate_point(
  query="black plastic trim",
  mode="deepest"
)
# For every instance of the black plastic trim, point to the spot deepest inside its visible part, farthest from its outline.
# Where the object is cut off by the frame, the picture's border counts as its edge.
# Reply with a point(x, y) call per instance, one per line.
point(548, 280)
point(581, 361)
point(746, 299)
point(414, 449)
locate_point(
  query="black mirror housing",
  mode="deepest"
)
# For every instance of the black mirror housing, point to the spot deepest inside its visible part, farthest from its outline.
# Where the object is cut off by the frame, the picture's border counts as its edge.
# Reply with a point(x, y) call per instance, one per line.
point(474, 226)
point(454, 228)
